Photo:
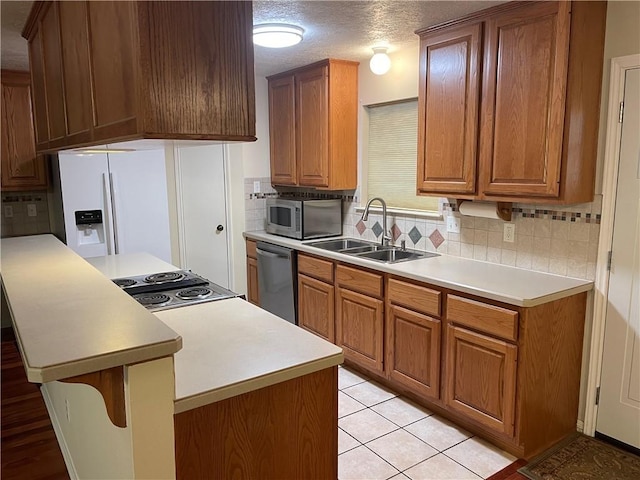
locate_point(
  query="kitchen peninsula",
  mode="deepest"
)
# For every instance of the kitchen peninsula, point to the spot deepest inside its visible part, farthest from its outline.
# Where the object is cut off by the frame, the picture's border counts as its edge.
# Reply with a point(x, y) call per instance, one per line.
point(220, 389)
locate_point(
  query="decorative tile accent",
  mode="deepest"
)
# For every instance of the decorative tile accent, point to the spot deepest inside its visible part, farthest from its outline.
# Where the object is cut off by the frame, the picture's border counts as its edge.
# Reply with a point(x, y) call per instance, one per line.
point(395, 232)
point(377, 229)
point(415, 235)
point(361, 227)
point(436, 238)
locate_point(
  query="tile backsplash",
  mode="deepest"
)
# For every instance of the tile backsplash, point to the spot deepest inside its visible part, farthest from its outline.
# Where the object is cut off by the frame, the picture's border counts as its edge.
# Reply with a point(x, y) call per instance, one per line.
point(556, 239)
point(16, 210)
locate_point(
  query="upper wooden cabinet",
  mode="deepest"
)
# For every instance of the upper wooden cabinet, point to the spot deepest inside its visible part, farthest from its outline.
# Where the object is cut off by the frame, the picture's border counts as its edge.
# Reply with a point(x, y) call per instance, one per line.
point(313, 116)
point(520, 121)
point(21, 168)
point(109, 71)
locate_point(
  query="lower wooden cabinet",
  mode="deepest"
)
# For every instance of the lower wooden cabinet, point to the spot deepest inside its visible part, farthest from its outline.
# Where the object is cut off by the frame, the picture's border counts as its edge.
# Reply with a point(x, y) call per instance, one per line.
point(252, 273)
point(481, 378)
point(316, 307)
point(413, 351)
point(360, 328)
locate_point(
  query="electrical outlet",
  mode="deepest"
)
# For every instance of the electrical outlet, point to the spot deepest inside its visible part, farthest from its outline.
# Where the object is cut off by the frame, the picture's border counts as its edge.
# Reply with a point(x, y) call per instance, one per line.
point(68, 410)
point(31, 210)
point(256, 186)
point(453, 224)
point(8, 211)
point(509, 235)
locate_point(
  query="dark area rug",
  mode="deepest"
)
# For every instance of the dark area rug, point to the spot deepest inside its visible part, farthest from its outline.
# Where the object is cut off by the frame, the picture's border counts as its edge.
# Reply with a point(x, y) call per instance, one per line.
point(581, 458)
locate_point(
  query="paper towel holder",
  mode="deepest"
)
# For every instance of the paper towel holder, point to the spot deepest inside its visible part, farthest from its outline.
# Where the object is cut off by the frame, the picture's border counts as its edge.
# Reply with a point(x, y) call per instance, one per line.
point(503, 209)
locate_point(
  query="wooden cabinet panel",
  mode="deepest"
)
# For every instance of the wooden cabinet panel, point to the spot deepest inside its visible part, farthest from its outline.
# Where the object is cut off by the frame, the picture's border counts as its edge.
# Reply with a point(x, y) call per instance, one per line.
point(312, 139)
point(525, 75)
point(50, 28)
point(41, 118)
point(481, 378)
point(360, 329)
point(490, 319)
point(316, 307)
point(282, 131)
point(358, 280)
point(413, 351)
point(251, 246)
point(252, 281)
point(448, 110)
point(315, 267)
point(113, 67)
point(416, 297)
point(75, 66)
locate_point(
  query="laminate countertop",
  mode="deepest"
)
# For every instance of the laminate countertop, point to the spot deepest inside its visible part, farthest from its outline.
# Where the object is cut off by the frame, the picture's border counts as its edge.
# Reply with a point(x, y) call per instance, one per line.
point(511, 285)
point(230, 347)
point(69, 319)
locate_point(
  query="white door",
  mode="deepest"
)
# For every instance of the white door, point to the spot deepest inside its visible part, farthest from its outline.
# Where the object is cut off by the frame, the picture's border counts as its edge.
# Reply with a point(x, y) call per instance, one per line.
point(619, 406)
point(203, 212)
point(140, 203)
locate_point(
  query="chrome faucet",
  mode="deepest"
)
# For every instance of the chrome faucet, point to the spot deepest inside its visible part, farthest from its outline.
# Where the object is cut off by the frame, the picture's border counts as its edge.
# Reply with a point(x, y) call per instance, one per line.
point(365, 215)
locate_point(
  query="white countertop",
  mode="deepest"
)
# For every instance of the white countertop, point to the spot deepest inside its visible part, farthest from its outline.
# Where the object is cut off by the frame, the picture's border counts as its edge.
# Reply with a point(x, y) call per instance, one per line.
point(69, 319)
point(130, 265)
point(232, 347)
point(514, 286)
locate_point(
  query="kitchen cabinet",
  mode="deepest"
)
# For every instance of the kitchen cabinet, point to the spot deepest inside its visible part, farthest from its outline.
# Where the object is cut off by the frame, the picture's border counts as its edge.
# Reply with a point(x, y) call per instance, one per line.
point(316, 296)
point(535, 118)
point(252, 273)
point(109, 71)
point(413, 337)
point(360, 317)
point(22, 169)
point(313, 115)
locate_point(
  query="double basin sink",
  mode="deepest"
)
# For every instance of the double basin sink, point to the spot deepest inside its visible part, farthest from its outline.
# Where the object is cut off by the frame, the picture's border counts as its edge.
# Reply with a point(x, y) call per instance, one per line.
point(370, 250)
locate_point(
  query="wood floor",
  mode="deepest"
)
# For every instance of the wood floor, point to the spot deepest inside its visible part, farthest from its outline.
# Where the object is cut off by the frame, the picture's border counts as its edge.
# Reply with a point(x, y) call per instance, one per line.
point(28, 447)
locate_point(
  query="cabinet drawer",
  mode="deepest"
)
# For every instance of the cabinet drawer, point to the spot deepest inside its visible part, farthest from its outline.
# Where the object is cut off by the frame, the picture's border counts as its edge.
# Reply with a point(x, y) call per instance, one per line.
point(316, 268)
point(490, 319)
point(359, 280)
point(415, 297)
point(251, 249)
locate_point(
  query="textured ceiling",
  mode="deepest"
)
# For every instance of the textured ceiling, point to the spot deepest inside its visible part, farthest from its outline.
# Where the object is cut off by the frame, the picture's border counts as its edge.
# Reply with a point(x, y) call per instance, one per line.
point(338, 29)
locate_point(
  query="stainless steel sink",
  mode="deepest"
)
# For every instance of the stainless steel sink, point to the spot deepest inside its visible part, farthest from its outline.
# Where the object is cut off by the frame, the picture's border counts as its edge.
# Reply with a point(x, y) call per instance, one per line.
point(394, 255)
point(341, 244)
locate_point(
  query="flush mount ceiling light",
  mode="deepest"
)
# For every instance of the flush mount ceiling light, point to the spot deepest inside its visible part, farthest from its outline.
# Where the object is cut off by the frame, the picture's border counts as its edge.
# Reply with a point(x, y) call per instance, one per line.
point(277, 35)
point(380, 63)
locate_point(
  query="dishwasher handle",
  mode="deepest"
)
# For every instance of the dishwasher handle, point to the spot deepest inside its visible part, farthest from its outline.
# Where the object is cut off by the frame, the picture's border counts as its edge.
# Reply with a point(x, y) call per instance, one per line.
point(269, 254)
point(273, 251)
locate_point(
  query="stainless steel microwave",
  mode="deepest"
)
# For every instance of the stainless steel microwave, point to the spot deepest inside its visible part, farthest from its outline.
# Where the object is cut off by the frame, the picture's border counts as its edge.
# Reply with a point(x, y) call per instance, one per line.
point(304, 218)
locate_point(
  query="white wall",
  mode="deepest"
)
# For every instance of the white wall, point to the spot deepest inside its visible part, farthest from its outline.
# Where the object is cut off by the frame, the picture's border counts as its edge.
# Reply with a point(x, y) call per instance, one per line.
point(255, 155)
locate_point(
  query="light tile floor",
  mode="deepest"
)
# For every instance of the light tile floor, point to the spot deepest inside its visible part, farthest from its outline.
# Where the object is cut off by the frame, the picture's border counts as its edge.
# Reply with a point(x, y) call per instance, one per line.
point(384, 436)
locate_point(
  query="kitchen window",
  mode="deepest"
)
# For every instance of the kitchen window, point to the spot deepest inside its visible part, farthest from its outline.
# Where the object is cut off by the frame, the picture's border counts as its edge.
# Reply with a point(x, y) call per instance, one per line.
point(393, 155)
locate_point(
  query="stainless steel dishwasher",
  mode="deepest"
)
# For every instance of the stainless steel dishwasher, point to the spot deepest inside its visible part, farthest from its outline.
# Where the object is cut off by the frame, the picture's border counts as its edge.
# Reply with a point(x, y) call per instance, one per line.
point(277, 280)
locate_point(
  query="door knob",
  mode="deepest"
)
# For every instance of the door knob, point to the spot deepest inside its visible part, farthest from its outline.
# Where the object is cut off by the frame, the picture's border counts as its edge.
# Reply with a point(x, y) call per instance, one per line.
point(219, 228)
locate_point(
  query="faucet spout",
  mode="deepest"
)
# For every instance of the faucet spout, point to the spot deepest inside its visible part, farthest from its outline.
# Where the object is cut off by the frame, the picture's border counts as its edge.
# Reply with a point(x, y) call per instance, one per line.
point(385, 238)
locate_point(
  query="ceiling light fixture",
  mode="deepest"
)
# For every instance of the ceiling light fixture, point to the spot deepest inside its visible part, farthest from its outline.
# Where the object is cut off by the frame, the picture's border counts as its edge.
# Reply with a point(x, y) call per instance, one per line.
point(277, 35)
point(380, 63)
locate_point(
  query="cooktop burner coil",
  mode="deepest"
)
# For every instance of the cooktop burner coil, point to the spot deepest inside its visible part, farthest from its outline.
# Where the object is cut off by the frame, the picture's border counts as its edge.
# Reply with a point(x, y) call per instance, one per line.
point(125, 282)
point(164, 277)
point(195, 292)
point(153, 299)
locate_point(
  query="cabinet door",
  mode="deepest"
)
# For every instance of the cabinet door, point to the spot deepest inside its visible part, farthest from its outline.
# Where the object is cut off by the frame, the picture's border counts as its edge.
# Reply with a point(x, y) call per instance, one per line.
point(36, 62)
point(316, 307)
point(50, 28)
point(282, 127)
point(21, 169)
point(74, 39)
point(481, 378)
point(360, 329)
point(413, 351)
point(252, 281)
point(312, 132)
point(113, 69)
point(523, 100)
point(448, 110)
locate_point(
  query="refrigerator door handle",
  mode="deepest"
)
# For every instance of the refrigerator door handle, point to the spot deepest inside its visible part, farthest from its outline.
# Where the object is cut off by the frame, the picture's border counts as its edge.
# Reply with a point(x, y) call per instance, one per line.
point(108, 230)
point(114, 208)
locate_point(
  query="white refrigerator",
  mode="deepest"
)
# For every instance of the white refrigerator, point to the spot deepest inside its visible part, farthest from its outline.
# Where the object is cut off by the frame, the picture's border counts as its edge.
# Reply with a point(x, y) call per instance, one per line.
point(115, 203)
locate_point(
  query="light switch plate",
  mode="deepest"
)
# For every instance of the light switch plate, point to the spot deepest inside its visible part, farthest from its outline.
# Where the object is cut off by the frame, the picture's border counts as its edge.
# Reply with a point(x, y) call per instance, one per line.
point(256, 186)
point(509, 235)
point(453, 224)
point(31, 210)
point(8, 211)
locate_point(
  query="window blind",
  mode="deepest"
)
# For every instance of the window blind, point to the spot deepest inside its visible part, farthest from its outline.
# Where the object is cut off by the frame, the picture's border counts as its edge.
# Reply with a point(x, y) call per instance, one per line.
point(393, 156)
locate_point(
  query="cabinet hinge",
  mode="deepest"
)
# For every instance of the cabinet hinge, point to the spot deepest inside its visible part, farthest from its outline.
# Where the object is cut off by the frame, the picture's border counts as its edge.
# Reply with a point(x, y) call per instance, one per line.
point(621, 112)
point(609, 257)
point(598, 396)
